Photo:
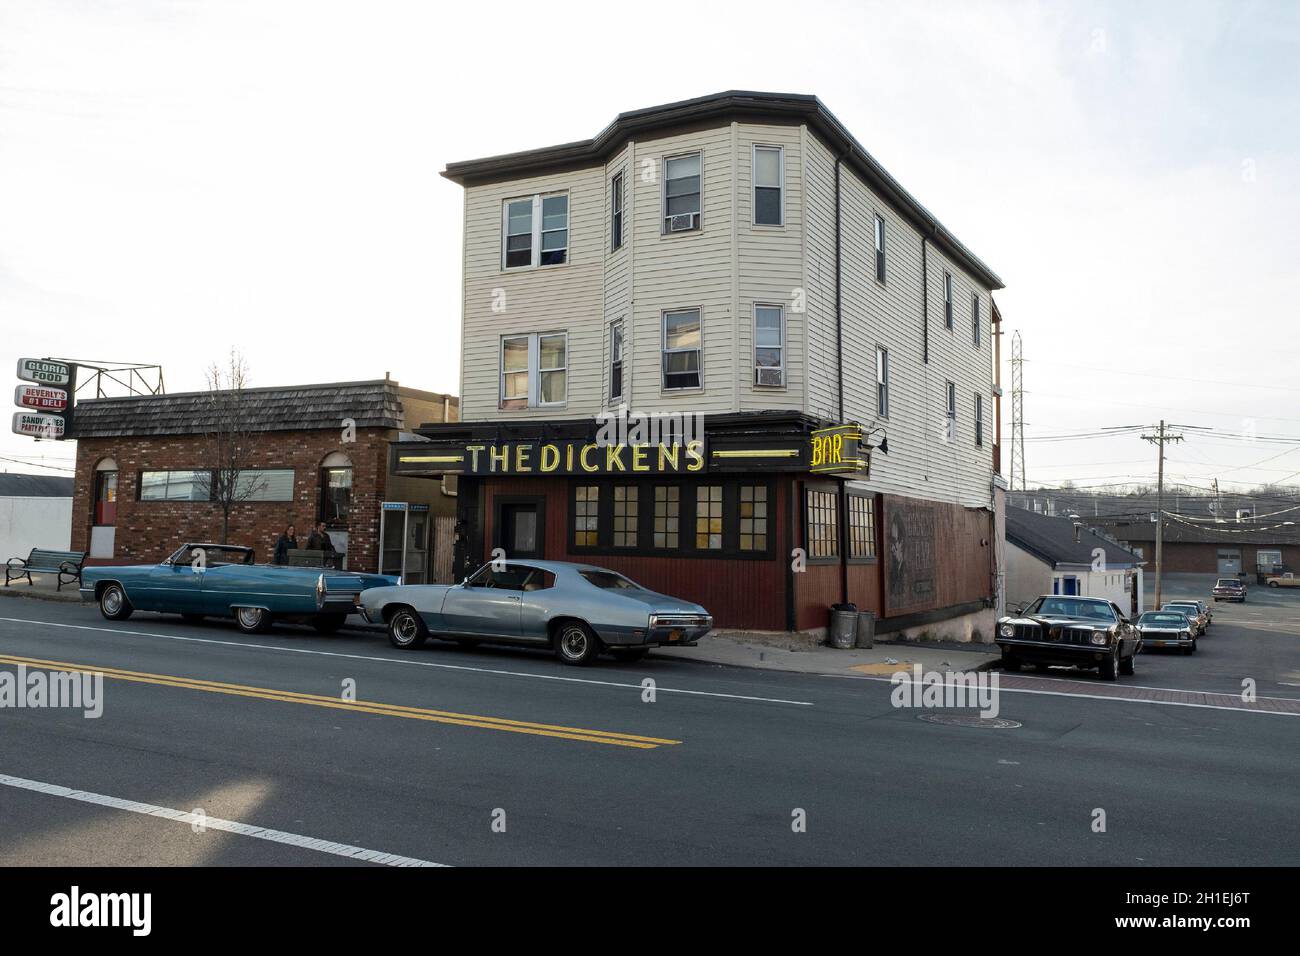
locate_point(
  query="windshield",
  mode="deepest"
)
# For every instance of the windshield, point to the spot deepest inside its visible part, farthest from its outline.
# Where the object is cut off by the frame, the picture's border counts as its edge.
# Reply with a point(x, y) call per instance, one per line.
point(1072, 607)
point(609, 581)
point(1162, 617)
point(1227, 583)
point(1187, 608)
point(211, 555)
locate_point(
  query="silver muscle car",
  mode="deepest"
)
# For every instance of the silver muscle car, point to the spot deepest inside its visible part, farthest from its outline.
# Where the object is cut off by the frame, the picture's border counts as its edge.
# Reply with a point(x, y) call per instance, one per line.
point(576, 609)
point(1078, 631)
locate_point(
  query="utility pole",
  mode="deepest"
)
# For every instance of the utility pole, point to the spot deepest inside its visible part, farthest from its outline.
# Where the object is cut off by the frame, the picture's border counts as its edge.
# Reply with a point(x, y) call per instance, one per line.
point(1159, 439)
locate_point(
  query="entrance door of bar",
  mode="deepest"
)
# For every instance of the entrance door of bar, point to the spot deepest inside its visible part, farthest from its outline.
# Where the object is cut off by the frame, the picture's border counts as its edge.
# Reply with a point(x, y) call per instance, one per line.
point(521, 532)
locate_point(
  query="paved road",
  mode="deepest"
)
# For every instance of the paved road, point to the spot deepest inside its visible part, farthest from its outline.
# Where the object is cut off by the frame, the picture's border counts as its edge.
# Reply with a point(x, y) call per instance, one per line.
point(439, 743)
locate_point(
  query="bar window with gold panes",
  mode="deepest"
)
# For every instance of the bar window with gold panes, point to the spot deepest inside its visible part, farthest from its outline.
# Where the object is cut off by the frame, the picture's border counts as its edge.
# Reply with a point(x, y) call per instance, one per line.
point(708, 518)
point(586, 516)
point(667, 512)
point(753, 517)
point(625, 514)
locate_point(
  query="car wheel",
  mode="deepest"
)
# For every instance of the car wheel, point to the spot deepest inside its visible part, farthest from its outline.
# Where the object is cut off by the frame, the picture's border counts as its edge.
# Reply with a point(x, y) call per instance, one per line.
point(576, 644)
point(1109, 668)
point(630, 655)
point(252, 620)
point(1191, 649)
point(328, 623)
point(1126, 664)
point(406, 630)
point(113, 603)
point(1274, 584)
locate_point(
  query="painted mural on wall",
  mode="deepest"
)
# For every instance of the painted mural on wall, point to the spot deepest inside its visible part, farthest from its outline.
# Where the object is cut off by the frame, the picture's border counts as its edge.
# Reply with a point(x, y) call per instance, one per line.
point(910, 548)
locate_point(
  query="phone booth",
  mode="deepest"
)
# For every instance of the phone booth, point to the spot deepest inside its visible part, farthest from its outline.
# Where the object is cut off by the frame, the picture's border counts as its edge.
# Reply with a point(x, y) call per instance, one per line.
point(404, 541)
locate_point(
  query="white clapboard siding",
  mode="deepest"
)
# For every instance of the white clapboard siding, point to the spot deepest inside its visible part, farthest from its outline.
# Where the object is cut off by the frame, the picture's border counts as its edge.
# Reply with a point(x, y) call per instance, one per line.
point(920, 461)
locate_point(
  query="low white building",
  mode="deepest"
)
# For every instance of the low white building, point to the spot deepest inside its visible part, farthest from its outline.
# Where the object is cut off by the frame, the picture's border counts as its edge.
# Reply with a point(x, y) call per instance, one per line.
point(35, 512)
point(1061, 555)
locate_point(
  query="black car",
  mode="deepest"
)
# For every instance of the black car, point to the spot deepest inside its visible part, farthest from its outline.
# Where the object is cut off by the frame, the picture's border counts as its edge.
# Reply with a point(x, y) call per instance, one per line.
point(1167, 629)
point(1230, 589)
point(1072, 631)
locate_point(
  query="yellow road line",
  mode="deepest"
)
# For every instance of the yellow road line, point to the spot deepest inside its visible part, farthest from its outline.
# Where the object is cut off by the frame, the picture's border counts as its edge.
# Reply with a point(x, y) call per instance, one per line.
point(361, 706)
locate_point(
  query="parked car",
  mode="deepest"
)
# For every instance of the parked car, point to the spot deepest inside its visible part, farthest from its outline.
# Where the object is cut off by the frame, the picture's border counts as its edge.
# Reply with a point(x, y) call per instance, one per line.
point(1230, 589)
point(1285, 580)
point(1166, 629)
point(1200, 620)
point(221, 580)
point(577, 609)
point(1069, 630)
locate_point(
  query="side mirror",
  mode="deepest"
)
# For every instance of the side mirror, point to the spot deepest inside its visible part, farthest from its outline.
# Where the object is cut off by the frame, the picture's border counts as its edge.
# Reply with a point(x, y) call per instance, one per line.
point(1016, 609)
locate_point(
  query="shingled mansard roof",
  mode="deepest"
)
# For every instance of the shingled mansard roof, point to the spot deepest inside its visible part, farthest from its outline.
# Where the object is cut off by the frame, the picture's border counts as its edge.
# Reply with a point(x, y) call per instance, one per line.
point(740, 105)
point(34, 486)
point(374, 404)
point(1052, 539)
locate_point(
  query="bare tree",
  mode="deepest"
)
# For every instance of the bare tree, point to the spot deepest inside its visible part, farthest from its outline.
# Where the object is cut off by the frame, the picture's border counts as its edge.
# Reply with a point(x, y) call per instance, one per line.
point(230, 439)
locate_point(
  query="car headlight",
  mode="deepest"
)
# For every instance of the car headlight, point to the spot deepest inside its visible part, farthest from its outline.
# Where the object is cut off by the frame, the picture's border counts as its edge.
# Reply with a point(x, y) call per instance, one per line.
point(1101, 637)
point(1185, 634)
point(1007, 630)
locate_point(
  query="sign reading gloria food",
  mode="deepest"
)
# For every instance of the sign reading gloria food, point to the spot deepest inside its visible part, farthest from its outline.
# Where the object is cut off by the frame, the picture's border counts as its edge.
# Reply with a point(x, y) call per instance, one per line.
point(44, 371)
point(566, 457)
point(41, 397)
point(839, 450)
point(38, 426)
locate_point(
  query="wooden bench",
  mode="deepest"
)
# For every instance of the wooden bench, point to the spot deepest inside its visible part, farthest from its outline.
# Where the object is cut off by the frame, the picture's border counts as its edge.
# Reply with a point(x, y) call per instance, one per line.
point(66, 564)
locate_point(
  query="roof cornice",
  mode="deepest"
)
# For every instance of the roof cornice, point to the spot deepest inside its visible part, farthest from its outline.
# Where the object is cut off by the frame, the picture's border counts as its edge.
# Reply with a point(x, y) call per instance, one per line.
point(793, 107)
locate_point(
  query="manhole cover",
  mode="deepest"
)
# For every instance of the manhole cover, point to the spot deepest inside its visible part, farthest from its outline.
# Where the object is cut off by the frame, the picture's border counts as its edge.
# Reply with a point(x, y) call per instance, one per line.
point(971, 720)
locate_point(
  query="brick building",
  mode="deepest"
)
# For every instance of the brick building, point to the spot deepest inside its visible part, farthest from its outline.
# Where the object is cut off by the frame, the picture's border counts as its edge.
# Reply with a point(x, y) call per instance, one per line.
point(320, 453)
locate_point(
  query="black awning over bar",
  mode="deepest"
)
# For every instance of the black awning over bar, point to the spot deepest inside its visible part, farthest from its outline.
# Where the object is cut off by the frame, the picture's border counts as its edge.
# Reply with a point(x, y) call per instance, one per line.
point(660, 445)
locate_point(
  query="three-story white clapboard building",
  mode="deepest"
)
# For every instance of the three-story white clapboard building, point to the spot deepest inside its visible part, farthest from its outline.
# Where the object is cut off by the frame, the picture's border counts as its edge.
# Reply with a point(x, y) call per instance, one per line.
point(741, 264)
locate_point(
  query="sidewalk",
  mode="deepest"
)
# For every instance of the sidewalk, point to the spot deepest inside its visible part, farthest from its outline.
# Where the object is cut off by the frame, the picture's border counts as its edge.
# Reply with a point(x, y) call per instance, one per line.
point(882, 660)
point(777, 652)
point(43, 588)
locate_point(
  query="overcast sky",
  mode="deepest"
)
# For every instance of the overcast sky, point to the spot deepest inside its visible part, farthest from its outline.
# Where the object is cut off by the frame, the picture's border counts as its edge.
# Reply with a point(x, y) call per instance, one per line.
point(177, 178)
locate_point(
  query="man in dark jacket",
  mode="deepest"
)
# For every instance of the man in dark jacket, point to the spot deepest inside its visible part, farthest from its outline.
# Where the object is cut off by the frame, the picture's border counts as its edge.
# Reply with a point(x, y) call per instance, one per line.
point(284, 544)
point(319, 540)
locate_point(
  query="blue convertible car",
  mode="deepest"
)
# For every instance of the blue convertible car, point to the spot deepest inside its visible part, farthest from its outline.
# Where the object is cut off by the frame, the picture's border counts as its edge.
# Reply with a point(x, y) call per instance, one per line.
point(576, 609)
point(221, 580)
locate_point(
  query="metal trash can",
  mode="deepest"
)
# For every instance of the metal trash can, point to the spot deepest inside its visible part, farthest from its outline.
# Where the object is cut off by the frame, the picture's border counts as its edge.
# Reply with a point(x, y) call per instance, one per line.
point(844, 626)
point(866, 635)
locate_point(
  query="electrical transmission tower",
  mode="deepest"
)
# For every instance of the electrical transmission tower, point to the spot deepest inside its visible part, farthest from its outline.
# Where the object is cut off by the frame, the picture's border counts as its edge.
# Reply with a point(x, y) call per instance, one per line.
point(1017, 413)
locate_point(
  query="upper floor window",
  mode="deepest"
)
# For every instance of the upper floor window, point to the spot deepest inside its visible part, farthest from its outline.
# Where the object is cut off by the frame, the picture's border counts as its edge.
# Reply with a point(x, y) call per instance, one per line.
point(979, 419)
point(950, 419)
point(769, 345)
point(682, 193)
point(947, 299)
point(535, 231)
point(882, 382)
point(880, 249)
point(616, 212)
point(534, 370)
point(616, 361)
point(682, 349)
point(768, 168)
point(975, 319)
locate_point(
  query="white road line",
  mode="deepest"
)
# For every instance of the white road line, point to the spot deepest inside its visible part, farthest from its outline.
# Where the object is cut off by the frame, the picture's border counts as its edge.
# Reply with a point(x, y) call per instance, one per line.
point(1123, 700)
point(360, 854)
point(393, 660)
